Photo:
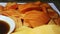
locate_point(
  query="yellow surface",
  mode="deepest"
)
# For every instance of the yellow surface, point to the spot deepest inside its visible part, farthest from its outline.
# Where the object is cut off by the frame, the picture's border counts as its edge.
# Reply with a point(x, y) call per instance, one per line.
point(45, 29)
point(23, 30)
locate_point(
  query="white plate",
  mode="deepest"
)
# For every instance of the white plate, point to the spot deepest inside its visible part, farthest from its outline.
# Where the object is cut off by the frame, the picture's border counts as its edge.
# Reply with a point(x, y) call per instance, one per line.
point(54, 7)
point(51, 4)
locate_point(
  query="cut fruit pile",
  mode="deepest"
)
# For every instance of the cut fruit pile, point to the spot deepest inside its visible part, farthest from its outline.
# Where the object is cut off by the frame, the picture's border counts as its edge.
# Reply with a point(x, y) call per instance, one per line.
point(32, 17)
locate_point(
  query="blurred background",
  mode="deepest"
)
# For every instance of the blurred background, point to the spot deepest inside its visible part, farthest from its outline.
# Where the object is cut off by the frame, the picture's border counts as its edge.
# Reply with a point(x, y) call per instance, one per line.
point(56, 2)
